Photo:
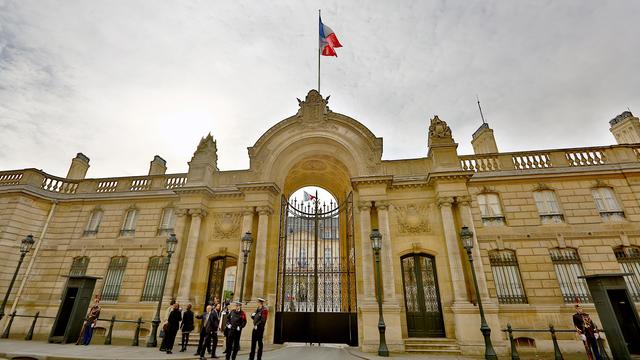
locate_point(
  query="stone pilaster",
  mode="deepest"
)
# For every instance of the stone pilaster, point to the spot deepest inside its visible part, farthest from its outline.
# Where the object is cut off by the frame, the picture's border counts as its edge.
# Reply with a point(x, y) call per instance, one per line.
point(181, 222)
point(247, 226)
point(260, 262)
point(367, 253)
point(189, 260)
point(453, 249)
point(386, 252)
point(464, 205)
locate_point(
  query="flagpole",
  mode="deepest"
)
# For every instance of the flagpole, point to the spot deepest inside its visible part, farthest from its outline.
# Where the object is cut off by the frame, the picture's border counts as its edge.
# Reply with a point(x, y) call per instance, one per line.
point(319, 52)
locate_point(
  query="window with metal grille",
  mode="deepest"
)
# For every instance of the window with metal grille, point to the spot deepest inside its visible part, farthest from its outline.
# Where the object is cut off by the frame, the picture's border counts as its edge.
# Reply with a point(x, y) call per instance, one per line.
point(167, 221)
point(607, 204)
point(156, 273)
point(548, 207)
point(490, 209)
point(113, 279)
point(94, 223)
point(506, 275)
point(629, 259)
point(129, 224)
point(568, 268)
point(79, 266)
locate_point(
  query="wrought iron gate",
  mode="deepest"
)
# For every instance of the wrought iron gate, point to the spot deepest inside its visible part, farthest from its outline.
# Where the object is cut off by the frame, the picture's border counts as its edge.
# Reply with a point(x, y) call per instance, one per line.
point(215, 283)
point(316, 300)
point(422, 298)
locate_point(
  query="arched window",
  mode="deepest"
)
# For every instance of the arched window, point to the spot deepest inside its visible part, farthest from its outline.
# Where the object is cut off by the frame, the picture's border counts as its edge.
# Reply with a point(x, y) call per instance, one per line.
point(113, 278)
point(568, 266)
point(79, 266)
point(490, 209)
point(629, 259)
point(607, 203)
point(156, 272)
point(94, 222)
point(506, 276)
point(548, 207)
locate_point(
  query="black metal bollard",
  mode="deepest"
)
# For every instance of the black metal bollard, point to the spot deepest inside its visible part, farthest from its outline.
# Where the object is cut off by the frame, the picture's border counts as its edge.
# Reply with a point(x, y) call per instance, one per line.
point(5, 333)
point(33, 326)
point(107, 340)
point(136, 334)
point(514, 351)
point(556, 349)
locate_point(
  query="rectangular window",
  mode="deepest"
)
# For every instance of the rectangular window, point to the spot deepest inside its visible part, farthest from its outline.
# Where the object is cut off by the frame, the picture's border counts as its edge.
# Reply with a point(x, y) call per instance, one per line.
point(167, 222)
point(568, 268)
point(629, 259)
point(94, 223)
point(490, 209)
point(156, 273)
point(79, 266)
point(548, 207)
point(129, 224)
point(607, 204)
point(113, 279)
point(506, 275)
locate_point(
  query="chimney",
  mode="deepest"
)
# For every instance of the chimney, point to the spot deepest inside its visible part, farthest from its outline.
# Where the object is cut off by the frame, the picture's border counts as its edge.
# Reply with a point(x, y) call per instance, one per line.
point(158, 166)
point(79, 167)
point(625, 128)
point(483, 141)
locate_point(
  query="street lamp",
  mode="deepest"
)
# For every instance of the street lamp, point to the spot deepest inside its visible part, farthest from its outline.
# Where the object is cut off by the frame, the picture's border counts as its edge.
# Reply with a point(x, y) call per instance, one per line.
point(25, 246)
point(172, 241)
point(466, 236)
point(376, 244)
point(246, 248)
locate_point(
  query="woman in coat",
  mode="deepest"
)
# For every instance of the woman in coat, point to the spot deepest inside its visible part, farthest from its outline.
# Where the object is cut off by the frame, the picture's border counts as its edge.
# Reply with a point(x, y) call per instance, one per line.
point(173, 324)
point(186, 327)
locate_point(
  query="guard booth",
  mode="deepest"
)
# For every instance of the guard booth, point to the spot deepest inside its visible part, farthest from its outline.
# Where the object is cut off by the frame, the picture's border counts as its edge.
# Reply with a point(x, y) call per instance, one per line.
point(76, 300)
point(617, 313)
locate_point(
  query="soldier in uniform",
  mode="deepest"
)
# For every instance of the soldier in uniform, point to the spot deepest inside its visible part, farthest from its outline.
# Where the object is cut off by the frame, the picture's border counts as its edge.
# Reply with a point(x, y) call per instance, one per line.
point(259, 320)
point(236, 321)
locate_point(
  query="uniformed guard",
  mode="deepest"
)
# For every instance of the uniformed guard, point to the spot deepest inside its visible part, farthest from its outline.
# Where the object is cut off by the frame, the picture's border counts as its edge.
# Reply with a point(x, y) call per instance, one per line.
point(237, 321)
point(259, 320)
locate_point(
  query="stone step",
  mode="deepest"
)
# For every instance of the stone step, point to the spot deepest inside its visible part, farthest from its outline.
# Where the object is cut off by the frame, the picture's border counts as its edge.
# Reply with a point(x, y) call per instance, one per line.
point(432, 346)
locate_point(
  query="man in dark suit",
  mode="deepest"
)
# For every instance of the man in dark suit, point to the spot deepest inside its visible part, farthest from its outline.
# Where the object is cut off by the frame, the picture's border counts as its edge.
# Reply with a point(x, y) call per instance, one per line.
point(209, 326)
point(259, 320)
point(237, 321)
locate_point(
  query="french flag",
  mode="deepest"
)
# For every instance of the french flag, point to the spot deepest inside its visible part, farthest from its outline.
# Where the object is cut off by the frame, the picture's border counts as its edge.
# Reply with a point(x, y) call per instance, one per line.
point(328, 40)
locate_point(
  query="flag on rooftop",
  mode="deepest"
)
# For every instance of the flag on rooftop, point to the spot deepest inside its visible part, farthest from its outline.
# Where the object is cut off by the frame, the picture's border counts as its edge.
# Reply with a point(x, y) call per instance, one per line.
point(328, 40)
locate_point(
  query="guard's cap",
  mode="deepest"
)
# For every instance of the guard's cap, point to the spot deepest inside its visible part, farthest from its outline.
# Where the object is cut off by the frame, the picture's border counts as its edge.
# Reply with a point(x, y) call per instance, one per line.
point(261, 299)
point(237, 302)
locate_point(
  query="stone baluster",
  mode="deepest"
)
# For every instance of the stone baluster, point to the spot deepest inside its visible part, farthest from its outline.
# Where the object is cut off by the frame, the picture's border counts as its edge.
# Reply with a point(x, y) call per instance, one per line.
point(453, 249)
point(464, 206)
point(247, 226)
point(260, 262)
point(386, 251)
point(189, 260)
point(367, 252)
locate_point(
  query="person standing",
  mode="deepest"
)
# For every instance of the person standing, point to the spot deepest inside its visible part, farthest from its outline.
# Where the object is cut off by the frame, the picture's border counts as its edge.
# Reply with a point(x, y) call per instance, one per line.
point(164, 325)
point(173, 324)
point(90, 322)
point(186, 327)
point(259, 320)
point(208, 327)
point(591, 335)
point(236, 322)
point(214, 333)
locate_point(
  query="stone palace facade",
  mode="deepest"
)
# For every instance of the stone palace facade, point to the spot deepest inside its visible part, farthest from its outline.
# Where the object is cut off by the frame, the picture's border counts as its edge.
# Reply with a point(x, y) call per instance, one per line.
point(540, 219)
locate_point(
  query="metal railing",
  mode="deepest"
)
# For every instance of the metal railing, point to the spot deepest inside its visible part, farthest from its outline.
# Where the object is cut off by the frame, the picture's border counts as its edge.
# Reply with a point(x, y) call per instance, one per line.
point(107, 340)
point(556, 348)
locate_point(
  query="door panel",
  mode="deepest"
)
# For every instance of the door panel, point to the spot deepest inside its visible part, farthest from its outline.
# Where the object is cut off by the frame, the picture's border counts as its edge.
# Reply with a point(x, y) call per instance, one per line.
point(422, 298)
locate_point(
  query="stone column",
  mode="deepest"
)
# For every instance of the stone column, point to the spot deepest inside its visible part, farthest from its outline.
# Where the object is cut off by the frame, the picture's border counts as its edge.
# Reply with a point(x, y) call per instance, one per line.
point(260, 262)
point(453, 249)
point(247, 226)
point(181, 221)
point(386, 252)
point(366, 251)
point(467, 219)
point(189, 260)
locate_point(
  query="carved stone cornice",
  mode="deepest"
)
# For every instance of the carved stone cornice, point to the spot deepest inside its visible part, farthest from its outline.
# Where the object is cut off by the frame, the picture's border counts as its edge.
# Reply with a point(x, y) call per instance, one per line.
point(371, 180)
point(265, 210)
point(445, 201)
point(270, 187)
point(448, 176)
point(364, 205)
point(463, 200)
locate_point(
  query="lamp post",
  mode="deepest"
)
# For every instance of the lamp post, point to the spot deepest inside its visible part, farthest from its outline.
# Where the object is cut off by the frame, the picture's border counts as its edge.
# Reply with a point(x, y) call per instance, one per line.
point(376, 244)
point(172, 241)
point(246, 248)
point(25, 246)
point(466, 236)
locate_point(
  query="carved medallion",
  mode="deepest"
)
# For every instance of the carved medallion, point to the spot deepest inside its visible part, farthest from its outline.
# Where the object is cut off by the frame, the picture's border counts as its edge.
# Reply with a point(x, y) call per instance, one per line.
point(412, 219)
point(227, 225)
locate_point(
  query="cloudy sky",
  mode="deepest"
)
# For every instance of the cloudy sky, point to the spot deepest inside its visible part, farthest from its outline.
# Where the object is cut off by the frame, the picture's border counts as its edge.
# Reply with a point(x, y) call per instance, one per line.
point(123, 80)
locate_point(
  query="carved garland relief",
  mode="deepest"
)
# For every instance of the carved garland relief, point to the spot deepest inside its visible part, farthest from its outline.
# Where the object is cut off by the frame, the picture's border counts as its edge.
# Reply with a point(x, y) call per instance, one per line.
point(412, 218)
point(227, 225)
